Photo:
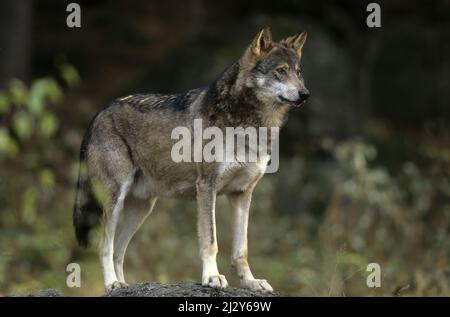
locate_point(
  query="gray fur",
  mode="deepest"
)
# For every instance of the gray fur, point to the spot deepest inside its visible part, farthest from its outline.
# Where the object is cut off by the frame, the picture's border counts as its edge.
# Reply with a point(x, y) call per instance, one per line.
point(130, 140)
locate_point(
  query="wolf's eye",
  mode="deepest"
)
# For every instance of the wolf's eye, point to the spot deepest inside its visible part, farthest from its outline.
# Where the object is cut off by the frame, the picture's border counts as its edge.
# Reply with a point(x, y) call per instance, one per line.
point(282, 71)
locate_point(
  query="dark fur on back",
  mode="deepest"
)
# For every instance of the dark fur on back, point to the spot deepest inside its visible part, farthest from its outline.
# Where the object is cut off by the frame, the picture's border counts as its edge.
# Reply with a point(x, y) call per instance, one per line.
point(148, 102)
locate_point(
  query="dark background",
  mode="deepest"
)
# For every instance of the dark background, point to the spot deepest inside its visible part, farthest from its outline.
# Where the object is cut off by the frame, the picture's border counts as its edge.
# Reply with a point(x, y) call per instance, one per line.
point(364, 173)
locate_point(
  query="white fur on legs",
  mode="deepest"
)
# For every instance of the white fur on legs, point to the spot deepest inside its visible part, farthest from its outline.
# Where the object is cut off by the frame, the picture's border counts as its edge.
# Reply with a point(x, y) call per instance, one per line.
point(135, 213)
point(210, 272)
point(206, 226)
point(107, 246)
point(240, 204)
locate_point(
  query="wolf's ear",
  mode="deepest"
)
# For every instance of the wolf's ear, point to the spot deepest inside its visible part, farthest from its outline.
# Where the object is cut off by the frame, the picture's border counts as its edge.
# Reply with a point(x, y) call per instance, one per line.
point(262, 42)
point(296, 42)
point(260, 45)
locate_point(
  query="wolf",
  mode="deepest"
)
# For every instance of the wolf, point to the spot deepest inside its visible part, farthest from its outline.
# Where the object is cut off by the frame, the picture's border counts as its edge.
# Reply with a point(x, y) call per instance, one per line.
point(126, 155)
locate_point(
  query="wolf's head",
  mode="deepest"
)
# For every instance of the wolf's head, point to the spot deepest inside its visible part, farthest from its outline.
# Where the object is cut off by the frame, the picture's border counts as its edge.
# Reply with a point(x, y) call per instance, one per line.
point(271, 70)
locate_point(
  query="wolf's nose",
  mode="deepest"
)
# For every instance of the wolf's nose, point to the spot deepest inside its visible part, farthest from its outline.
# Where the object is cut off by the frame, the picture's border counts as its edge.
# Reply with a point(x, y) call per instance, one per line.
point(303, 94)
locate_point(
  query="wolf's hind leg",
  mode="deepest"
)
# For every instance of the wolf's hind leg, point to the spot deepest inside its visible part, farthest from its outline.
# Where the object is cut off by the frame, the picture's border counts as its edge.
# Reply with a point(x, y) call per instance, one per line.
point(240, 203)
point(111, 217)
point(134, 214)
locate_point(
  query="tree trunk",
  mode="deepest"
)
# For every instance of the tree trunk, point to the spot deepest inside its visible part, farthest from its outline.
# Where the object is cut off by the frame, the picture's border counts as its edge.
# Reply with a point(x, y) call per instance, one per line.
point(15, 25)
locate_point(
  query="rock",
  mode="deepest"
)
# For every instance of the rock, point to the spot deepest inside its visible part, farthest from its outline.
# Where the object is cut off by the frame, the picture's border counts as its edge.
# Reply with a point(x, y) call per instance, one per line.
point(48, 292)
point(182, 289)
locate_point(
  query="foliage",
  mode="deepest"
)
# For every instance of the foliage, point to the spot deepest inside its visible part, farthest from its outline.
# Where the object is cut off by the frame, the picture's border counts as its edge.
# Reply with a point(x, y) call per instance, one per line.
point(315, 225)
point(31, 233)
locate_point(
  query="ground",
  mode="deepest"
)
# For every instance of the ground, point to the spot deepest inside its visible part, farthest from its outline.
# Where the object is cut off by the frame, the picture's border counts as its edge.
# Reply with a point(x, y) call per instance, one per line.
point(182, 289)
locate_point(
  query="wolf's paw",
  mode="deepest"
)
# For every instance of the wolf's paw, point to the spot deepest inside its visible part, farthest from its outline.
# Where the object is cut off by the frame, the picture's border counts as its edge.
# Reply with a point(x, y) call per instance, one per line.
point(215, 281)
point(257, 285)
point(116, 285)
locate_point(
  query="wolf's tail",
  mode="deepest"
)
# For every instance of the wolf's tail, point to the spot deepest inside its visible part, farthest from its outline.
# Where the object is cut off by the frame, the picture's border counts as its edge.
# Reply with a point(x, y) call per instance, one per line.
point(87, 211)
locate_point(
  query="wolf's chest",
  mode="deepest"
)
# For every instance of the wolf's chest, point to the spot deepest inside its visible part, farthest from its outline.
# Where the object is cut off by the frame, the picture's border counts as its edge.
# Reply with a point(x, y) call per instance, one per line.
point(235, 176)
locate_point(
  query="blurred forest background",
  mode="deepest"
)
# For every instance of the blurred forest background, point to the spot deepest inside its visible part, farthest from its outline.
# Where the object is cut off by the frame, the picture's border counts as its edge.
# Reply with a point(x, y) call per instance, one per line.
point(365, 164)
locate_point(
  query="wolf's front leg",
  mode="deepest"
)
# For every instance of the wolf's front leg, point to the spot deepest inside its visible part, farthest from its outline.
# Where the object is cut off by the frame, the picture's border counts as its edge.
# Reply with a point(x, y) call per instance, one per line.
point(240, 203)
point(206, 227)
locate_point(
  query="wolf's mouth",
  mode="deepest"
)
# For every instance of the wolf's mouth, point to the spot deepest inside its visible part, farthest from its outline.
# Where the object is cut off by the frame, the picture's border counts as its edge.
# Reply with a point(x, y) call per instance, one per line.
point(295, 103)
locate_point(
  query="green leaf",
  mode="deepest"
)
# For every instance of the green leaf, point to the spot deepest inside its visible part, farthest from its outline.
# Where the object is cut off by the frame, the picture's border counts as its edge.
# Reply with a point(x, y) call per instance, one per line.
point(4, 102)
point(23, 125)
point(43, 89)
point(47, 178)
point(53, 91)
point(49, 124)
point(19, 92)
point(36, 97)
point(7, 145)
point(70, 75)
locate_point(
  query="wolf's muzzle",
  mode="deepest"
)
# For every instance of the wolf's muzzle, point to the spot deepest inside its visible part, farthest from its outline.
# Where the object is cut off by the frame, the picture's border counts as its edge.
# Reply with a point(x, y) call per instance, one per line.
point(303, 95)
